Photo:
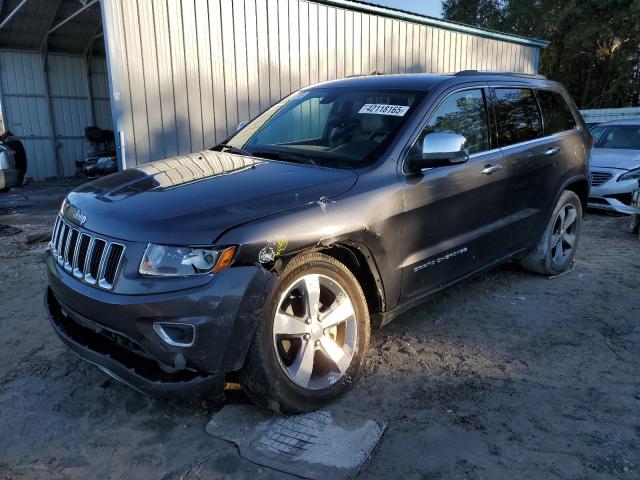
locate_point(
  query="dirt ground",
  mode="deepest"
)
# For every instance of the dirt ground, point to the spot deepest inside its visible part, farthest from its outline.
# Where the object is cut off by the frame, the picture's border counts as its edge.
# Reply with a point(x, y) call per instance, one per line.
point(509, 375)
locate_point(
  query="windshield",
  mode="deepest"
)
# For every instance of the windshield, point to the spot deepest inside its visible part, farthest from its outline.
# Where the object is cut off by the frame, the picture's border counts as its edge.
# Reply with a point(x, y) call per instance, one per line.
point(330, 127)
point(617, 136)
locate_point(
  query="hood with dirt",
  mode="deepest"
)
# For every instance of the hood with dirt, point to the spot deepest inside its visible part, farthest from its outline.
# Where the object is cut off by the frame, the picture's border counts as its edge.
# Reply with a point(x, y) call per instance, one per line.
point(194, 198)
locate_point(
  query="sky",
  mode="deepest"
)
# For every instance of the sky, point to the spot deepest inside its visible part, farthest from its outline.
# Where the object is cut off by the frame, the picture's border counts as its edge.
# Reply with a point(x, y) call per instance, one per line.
point(433, 8)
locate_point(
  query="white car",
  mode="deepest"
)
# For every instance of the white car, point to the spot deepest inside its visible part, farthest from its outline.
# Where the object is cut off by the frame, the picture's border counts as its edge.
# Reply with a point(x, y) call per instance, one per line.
point(615, 165)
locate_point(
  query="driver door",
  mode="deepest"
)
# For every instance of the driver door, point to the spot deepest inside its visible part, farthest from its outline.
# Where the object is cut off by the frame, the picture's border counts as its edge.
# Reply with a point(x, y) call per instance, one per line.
point(453, 223)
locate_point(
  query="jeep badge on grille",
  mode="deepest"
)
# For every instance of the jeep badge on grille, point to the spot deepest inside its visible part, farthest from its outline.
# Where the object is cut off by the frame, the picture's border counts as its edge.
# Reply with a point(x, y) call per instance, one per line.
point(79, 218)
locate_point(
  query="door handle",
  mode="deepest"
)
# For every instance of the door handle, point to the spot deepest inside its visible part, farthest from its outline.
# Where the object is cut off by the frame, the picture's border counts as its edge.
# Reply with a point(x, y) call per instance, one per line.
point(489, 169)
point(552, 151)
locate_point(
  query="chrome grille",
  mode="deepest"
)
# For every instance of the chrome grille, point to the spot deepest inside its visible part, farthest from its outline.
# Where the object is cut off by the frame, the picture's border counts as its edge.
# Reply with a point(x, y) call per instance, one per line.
point(93, 260)
point(598, 178)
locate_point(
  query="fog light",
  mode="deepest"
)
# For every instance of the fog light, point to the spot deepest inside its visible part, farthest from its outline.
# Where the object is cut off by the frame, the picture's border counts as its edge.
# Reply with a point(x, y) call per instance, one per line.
point(176, 334)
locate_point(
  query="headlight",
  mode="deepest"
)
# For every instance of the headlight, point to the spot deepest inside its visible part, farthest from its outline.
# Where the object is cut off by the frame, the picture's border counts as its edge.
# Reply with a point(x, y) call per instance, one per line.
point(631, 175)
point(167, 261)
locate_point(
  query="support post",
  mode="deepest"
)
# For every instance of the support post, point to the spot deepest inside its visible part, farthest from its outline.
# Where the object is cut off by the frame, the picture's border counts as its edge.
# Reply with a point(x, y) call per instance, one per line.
point(47, 94)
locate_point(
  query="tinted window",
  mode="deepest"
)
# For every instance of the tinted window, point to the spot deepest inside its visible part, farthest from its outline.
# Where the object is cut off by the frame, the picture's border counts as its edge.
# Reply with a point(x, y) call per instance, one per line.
point(555, 111)
point(463, 113)
point(517, 116)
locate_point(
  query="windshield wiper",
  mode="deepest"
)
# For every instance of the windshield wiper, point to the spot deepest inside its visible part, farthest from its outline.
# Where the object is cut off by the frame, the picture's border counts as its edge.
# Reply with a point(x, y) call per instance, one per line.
point(225, 147)
point(285, 157)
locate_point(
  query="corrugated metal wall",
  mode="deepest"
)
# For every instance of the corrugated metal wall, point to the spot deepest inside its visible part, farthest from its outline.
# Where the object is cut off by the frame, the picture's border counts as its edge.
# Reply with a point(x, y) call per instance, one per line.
point(26, 108)
point(185, 72)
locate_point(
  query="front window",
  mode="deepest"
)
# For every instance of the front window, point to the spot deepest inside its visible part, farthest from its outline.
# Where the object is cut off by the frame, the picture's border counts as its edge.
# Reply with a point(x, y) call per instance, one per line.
point(341, 128)
point(617, 136)
point(463, 113)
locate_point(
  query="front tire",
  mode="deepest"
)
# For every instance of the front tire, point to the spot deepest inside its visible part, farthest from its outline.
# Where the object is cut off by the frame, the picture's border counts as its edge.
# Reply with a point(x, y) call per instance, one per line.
point(312, 339)
point(555, 250)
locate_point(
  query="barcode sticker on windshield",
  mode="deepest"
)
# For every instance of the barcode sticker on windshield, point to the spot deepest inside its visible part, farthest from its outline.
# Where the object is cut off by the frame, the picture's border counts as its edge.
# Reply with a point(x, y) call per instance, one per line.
point(378, 109)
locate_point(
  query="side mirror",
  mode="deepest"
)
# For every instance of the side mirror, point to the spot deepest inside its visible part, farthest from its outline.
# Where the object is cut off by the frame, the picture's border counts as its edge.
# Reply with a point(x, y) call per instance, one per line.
point(241, 125)
point(439, 149)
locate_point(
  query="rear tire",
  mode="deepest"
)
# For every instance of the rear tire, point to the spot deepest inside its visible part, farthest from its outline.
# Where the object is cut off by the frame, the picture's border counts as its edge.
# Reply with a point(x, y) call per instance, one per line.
point(300, 359)
point(554, 252)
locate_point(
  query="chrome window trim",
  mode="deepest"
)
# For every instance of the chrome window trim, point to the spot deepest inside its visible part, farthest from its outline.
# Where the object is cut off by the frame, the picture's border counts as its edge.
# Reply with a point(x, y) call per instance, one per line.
point(576, 128)
point(539, 139)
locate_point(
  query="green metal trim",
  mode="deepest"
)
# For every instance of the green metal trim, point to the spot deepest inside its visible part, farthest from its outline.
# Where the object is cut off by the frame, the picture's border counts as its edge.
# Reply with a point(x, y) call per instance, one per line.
point(434, 22)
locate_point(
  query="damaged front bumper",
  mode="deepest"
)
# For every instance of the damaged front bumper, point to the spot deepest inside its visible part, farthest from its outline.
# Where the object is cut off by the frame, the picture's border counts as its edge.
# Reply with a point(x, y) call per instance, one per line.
point(119, 333)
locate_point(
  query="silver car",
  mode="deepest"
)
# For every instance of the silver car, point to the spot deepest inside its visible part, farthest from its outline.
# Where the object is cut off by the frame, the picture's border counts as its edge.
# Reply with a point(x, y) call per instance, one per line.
point(615, 165)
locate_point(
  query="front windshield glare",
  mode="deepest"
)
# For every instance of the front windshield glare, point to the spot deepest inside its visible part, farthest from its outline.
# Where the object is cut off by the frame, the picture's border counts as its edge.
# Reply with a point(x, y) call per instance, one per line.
point(625, 137)
point(331, 127)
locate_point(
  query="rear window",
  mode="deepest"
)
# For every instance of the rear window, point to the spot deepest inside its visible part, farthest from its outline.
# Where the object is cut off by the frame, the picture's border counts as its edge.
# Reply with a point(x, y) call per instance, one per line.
point(517, 116)
point(555, 112)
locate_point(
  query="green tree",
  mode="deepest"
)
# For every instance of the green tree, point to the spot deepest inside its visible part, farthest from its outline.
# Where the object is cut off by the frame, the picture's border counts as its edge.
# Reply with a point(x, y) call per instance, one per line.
point(594, 45)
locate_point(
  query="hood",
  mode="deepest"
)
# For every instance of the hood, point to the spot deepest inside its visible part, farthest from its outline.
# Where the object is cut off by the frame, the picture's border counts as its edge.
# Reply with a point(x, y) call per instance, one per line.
point(192, 199)
point(615, 158)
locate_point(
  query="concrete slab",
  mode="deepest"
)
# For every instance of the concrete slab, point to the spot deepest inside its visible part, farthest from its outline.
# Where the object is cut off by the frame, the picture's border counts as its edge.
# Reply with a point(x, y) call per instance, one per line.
point(317, 445)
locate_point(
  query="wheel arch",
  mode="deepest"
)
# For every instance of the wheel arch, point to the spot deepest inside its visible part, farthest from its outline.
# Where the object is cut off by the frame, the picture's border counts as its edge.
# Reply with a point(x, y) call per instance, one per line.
point(580, 186)
point(360, 262)
point(358, 259)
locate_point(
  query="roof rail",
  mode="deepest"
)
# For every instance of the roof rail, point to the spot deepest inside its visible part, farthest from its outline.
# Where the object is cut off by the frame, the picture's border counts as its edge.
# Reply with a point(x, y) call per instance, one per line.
point(463, 73)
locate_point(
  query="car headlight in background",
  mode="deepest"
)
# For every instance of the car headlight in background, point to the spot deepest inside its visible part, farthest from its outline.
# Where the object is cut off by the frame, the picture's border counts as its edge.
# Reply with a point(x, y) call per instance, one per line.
point(631, 175)
point(169, 261)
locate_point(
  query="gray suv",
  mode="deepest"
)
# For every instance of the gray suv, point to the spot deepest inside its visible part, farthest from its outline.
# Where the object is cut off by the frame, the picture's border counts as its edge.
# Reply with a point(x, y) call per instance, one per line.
point(269, 257)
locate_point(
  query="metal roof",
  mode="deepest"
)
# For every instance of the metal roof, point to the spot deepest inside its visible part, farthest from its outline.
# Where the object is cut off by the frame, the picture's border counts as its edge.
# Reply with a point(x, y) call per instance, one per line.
point(434, 22)
point(69, 26)
point(72, 26)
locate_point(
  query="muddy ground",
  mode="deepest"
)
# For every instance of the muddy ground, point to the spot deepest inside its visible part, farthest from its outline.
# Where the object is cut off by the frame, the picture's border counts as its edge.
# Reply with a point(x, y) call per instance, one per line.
point(509, 375)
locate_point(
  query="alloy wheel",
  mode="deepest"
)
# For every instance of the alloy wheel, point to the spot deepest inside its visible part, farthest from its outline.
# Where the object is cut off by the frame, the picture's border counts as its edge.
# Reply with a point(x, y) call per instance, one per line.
point(315, 332)
point(563, 237)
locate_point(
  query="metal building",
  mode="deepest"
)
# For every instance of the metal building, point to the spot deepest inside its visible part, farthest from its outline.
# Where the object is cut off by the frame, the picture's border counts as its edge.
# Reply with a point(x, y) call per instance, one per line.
point(174, 76)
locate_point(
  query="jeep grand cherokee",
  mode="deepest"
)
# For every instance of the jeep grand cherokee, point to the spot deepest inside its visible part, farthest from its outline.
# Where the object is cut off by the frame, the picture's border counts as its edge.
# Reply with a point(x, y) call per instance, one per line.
point(345, 204)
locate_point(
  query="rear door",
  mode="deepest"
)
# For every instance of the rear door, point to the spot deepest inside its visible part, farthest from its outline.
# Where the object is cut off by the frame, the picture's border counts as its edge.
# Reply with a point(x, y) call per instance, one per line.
point(452, 222)
point(529, 158)
point(534, 132)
